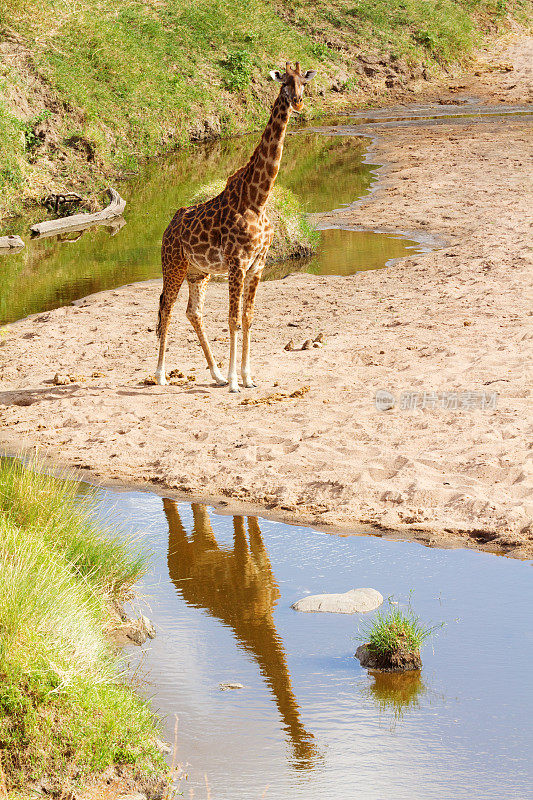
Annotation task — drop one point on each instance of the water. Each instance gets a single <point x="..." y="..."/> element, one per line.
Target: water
<point x="326" y="169"/>
<point x="325" y="172"/>
<point x="310" y="722"/>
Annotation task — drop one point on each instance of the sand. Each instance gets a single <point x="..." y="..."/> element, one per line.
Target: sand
<point x="449" y="467"/>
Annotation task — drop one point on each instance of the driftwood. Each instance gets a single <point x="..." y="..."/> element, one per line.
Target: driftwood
<point x="78" y="222"/>
<point x="10" y="243"/>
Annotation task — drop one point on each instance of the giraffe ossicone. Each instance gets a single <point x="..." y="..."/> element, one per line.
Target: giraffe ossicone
<point x="231" y="234"/>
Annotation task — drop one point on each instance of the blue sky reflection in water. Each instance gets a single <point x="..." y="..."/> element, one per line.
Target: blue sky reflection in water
<point x="309" y="722"/>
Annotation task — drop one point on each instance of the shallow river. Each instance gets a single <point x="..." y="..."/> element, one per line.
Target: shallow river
<point x="324" y="171"/>
<point x="325" y="166"/>
<point x="309" y="722"/>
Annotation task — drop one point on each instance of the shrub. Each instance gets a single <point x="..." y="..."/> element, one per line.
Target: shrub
<point x="238" y="70"/>
<point x="396" y="631"/>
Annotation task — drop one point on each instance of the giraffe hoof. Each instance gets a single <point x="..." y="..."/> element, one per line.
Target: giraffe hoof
<point x="218" y="377"/>
<point x="249" y="384"/>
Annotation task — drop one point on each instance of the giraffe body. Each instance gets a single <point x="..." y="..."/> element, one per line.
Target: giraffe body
<point x="231" y="234"/>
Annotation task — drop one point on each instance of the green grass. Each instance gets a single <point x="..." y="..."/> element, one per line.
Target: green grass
<point x="12" y="150"/>
<point x="63" y="713"/>
<point x="396" y="631"/>
<point x="34" y="501"/>
<point x="442" y="29"/>
<point x="293" y="235"/>
<point x="130" y="77"/>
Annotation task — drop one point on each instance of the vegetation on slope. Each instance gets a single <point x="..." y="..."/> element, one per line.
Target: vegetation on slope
<point x="63" y="714"/>
<point x="91" y="87"/>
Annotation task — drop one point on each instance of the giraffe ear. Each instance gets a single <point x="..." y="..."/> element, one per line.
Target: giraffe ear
<point x="276" y="75"/>
<point x="309" y="75"/>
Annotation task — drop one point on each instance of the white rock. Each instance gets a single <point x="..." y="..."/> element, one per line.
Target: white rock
<point x="10" y="242"/>
<point x="356" y="600"/>
<point x="163" y="747"/>
<point x="226" y="687"/>
<point x="147" y="627"/>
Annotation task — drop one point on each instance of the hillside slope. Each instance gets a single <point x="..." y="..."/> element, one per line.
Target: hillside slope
<point x="88" y="89"/>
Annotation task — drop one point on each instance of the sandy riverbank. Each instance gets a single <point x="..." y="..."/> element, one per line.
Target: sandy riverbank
<point x="448" y="323"/>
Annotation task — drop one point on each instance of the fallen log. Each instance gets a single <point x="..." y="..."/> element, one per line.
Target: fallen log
<point x="11" y="242"/>
<point x="78" y="222"/>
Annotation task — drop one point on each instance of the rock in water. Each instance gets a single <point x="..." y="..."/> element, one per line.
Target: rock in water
<point x="227" y="687"/>
<point x="356" y="600"/>
<point x="147" y="627"/>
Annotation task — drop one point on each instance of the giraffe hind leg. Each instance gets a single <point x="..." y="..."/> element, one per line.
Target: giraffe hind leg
<point x="173" y="276"/>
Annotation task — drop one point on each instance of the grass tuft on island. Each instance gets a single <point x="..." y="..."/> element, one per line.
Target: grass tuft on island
<point x="392" y="641"/>
<point x="64" y="714"/>
<point x="294" y="236"/>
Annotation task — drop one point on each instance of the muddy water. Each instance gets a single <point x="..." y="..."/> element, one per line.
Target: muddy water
<point x="323" y="171"/>
<point x="309" y="722"/>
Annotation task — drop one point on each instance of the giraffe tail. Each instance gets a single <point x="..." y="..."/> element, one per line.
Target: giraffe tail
<point x="159" y="328"/>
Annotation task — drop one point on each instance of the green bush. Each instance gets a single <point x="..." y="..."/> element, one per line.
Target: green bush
<point x="396" y="631"/>
<point x="238" y="68"/>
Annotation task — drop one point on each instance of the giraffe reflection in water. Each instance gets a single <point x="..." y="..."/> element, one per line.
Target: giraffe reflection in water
<point x="237" y="586"/>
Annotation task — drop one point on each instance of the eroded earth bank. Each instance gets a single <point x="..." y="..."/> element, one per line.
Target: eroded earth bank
<point x="455" y="322"/>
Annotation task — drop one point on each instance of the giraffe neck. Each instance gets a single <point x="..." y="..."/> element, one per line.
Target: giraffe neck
<point x="260" y="174"/>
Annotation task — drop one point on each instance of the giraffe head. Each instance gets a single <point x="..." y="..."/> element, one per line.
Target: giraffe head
<point x="293" y="83"/>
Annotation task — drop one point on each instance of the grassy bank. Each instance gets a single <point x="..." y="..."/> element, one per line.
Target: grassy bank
<point x="63" y="713"/>
<point x="88" y="89"/>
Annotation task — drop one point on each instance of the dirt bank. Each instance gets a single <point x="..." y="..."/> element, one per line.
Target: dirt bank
<point x="453" y="324"/>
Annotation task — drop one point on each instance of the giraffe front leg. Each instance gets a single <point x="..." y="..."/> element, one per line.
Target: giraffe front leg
<point x="235" y="285"/>
<point x="253" y="276"/>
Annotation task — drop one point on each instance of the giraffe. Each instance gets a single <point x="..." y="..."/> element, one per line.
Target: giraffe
<point x="229" y="234"/>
